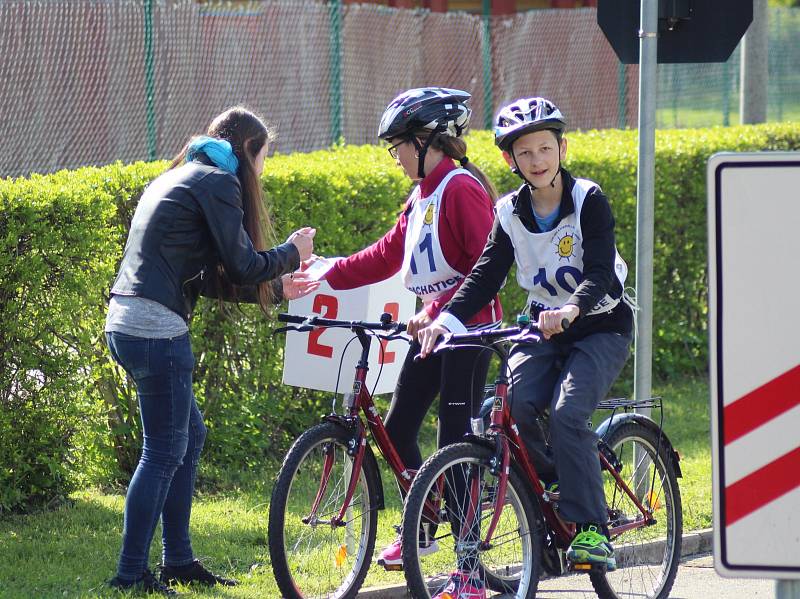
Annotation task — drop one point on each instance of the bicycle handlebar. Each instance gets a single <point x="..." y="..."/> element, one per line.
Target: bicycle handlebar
<point x="386" y="324"/>
<point x="487" y="337"/>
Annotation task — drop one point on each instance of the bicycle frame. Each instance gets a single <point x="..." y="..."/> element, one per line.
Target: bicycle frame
<point x="360" y="401"/>
<point x="508" y="444"/>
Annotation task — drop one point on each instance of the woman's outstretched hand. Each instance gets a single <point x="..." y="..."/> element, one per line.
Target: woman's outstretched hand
<point x="303" y="240"/>
<point x="297" y="284"/>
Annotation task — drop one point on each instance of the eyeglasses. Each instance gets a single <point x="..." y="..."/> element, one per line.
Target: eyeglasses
<point x="393" y="149"/>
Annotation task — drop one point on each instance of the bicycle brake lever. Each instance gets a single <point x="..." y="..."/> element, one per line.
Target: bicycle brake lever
<point x="527" y="335"/>
<point x="301" y="328"/>
<point x="394" y="336"/>
<point x="443" y="344"/>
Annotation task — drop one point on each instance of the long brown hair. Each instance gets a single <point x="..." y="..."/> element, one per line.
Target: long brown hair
<point x="456" y="148"/>
<point x="247" y="133"/>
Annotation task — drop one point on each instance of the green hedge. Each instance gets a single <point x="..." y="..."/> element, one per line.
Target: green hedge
<point x="67" y="414"/>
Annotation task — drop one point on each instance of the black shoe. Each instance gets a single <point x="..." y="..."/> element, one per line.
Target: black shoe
<point x="146" y="584"/>
<point x="194" y="572"/>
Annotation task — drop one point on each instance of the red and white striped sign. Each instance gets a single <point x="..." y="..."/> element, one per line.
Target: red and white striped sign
<point x="754" y="334"/>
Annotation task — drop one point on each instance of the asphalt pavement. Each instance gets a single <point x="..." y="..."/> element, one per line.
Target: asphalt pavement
<point x="696" y="579"/>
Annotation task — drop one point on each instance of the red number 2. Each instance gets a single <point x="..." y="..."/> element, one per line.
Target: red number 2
<point x="387" y="357"/>
<point x="331" y="306"/>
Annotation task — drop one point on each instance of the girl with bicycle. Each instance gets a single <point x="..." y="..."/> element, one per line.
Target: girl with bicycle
<point x="199" y="228"/>
<point x="434" y="244"/>
<point x="560" y="232"/>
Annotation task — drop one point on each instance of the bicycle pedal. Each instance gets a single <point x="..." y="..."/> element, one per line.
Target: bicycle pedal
<point x="587" y="568"/>
<point x="552" y="496"/>
<point x="390" y="567"/>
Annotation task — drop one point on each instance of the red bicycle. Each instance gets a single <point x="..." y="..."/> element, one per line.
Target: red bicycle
<point x="496" y="520"/>
<point x="324" y="508"/>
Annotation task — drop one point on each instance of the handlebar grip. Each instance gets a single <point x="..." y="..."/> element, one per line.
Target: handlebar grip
<point x="565" y="323"/>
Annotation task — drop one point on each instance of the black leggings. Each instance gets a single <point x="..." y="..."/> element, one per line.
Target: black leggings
<point x="458" y="377"/>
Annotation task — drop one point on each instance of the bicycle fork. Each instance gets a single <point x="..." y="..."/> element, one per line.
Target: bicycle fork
<point x="356" y="448"/>
<point x="499" y="465"/>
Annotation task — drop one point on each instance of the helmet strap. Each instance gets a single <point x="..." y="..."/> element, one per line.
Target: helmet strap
<point x="423" y="150"/>
<point x="558" y="172"/>
<point x="518" y="171"/>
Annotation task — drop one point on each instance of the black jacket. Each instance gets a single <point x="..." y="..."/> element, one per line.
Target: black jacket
<point x="597" y="223"/>
<point x="188" y="221"/>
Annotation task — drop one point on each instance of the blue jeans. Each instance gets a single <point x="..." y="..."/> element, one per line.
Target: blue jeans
<point x="163" y="483"/>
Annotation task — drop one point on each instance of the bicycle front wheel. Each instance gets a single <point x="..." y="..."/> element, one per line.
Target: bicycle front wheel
<point x="311" y="556"/>
<point x="647" y="556"/>
<point x="456" y="490"/>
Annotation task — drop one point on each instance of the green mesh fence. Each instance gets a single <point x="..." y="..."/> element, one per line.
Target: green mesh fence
<point x="93" y="81"/>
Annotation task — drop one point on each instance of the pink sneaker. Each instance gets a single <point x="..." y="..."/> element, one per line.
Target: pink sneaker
<point x="391" y="558"/>
<point x="461" y="586"/>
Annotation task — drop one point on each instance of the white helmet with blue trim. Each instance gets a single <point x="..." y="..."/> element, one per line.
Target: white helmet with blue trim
<point x="524" y="116"/>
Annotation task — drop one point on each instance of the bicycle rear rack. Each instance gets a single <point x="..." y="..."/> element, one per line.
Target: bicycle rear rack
<point x="629" y="404"/>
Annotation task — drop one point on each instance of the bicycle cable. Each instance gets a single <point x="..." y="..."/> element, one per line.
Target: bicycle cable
<point x="382" y="356"/>
<point x="339" y="373"/>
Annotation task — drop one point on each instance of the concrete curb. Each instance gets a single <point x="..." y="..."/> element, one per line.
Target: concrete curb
<point x="701" y="541"/>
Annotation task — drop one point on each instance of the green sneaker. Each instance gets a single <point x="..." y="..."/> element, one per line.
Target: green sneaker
<point x="592" y="547"/>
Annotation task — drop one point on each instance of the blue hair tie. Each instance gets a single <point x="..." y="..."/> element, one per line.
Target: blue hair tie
<point x="219" y="151"/>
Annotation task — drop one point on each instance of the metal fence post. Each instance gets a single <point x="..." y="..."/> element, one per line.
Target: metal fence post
<point x="335" y="7"/>
<point x="488" y="96"/>
<point x="149" y="80"/>
<point x="780" y="41"/>
<point x="726" y="92"/>
<point x="622" y="107"/>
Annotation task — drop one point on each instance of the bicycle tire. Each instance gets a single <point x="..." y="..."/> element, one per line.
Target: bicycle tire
<point x="511" y="565"/>
<point x="647" y="557"/>
<point x="315" y="560"/>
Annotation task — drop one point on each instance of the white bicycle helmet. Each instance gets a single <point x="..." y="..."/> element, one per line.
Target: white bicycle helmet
<point x="436" y="109"/>
<point x="523" y="116"/>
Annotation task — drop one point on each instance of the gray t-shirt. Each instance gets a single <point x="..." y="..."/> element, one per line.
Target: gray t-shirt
<point x="141" y="317"/>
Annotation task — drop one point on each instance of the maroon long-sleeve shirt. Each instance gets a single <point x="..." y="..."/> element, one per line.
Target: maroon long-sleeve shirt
<point x="465" y="221"/>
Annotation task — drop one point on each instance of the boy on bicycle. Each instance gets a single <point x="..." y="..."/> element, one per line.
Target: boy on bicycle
<point x="560" y="232"/>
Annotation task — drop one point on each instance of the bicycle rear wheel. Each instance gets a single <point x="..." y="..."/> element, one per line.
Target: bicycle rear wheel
<point x="310" y="556"/>
<point x="457" y="481"/>
<point x="648" y="556"/>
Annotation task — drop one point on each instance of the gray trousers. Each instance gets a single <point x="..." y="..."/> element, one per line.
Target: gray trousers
<point x="569" y="380"/>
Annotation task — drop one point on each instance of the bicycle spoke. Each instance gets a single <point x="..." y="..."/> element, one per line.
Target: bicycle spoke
<point x="317" y="558"/>
<point x="647" y="555"/>
<point x="468" y="489"/>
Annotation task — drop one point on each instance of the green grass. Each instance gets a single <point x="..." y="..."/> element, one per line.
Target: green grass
<point x="711" y="116"/>
<point x="72" y="550"/>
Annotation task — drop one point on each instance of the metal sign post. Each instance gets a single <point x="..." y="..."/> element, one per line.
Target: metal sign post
<point x="678" y="31"/>
<point x="648" y="42"/>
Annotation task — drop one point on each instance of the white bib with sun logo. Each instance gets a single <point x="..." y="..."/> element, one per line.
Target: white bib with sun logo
<point x="425" y="270"/>
<point x="550" y="265"/>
